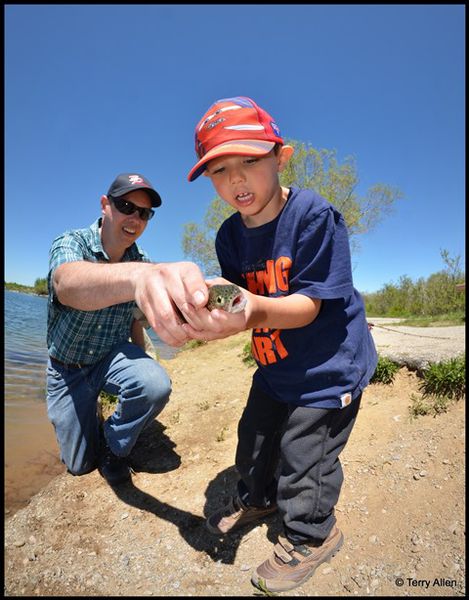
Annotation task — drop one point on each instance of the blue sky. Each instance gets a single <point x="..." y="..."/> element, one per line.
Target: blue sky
<point x="95" y="90"/>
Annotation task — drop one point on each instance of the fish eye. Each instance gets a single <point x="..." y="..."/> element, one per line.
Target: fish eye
<point x="219" y="299"/>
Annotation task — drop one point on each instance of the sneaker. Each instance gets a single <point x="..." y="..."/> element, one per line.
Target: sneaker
<point x="114" y="469"/>
<point x="290" y="566"/>
<point x="235" y="515"/>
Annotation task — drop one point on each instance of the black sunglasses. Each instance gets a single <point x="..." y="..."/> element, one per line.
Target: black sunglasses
<point x="126" y="207"/>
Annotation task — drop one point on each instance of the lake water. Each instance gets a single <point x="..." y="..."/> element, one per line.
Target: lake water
<point x="31" y="451"/>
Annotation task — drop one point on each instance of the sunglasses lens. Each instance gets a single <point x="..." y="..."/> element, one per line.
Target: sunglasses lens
<point x="127" y="208"/>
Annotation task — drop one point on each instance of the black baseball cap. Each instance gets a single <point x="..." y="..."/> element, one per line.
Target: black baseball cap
<point x="129" y="182"/>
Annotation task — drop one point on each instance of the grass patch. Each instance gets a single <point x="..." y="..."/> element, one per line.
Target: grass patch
<point x="442" y="383"/>
<point x="421" y="406"/>
<point x="445" y="379"/>
<point x="446" y="320"/>
<point x="385" y="372"/>
<point x="247" y="356"/>
<point x="191" y="344"/>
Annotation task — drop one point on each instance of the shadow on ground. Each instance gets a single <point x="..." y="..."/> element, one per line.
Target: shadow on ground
<point x="155" y="453"/>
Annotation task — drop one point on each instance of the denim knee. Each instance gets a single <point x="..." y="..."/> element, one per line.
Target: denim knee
<point x="156" y="384"/>
<point x="79" y="456"/>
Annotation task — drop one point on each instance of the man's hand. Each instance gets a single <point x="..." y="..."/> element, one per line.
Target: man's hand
<point x="167" y="288"/>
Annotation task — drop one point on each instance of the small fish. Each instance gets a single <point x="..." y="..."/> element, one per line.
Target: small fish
<point x="227" y="297"/>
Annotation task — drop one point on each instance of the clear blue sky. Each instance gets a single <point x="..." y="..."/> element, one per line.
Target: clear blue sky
<point x="95" y="90"/>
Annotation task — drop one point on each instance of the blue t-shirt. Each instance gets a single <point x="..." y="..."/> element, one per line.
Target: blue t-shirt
<point x="304" y="250"/>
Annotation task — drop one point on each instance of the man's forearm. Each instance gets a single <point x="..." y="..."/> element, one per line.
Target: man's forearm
<point x="157" y="288"/>
<point x="92" y="286"/>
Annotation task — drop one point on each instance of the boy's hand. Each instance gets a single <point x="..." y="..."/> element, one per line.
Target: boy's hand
<point x="287" y="312"/>
<point x="218" y="324"/>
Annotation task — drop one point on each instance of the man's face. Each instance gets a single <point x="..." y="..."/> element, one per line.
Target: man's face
<point x="125" y="229"/>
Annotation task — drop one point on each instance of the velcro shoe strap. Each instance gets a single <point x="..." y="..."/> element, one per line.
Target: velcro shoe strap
<point x="282" y="550"/>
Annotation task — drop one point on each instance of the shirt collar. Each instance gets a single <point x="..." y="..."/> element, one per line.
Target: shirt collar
<point x="133" y="252"/>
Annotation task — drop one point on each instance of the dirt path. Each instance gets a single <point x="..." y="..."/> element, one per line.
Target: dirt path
<point x="416" y="347"/>
<point x="401" y="507"/>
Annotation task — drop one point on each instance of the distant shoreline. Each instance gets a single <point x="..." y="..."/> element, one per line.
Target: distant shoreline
<point x="23" y="290"/>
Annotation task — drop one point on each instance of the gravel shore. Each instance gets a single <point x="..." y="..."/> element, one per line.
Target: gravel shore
<point x="402" y="507"/>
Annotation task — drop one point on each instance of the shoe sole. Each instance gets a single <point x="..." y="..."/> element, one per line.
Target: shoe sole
<point x="214" y="528"/>
<point x="261" y="585"/>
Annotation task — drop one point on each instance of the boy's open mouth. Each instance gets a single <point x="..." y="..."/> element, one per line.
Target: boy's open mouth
<point x="245" y="198"/>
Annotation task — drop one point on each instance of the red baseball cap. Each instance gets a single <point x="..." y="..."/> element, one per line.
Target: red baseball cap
<point x="233" y="126"/>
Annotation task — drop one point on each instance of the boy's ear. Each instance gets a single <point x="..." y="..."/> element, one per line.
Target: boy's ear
<point x="284" y="155"/>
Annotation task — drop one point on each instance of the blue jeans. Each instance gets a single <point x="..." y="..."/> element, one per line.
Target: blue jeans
<point x="141" y="385"/>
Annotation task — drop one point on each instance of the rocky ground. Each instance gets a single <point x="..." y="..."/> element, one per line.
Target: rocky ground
<point x="401" y="508"/>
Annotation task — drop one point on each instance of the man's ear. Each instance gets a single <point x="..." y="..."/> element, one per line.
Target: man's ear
<point x="104" y="202"/>
<point x="284" y="155"/>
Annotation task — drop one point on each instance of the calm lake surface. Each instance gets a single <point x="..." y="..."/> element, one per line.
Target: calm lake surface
<point x="31" y="452"/>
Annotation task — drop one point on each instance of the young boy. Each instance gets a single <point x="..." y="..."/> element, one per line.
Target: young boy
<point x="289" y="249"/>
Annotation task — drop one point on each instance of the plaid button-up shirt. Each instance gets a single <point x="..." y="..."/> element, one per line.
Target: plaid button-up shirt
<point x="85" y="336"/>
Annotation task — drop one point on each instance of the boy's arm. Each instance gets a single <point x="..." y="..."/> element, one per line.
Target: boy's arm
<point x="296" y="310"/>
<point x="288" y="312"/>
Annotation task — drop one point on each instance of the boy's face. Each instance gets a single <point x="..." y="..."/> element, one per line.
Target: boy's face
<point x="250" y="183"/>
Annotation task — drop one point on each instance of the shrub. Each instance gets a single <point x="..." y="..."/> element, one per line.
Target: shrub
<point x="436" y="295"/>
<point x="248" y="358"/>
<point x="386" y="370"/>
<point x="445" y="379"/>
<point x="108" y="400"/>
<point x="40" y="286"/>
<point x="107" y="405"/>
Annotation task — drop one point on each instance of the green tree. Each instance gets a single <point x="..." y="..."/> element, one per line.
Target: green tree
<point x="198" y="243"/>
<point x="435" y="295"/>
<point x="453" y="266"/>
<point x="40" y="286"/>
<point x="308" y="168"/>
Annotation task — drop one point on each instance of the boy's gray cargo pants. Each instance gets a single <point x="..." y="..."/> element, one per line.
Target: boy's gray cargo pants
<point x="290" y="455"/>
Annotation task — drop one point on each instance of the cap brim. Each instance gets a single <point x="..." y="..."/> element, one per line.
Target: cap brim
<point x="240" y="147"/>
<point x="155" y="198"/>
